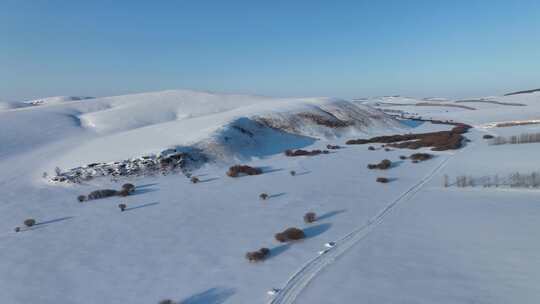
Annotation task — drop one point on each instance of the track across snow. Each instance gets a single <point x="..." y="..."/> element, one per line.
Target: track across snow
<point x="296" y="284"/>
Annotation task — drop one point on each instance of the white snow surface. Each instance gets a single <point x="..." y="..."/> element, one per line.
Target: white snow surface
<point x="408" y="241"/>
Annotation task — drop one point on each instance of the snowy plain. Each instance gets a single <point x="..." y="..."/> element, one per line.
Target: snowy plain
<point x="187" y="241"/>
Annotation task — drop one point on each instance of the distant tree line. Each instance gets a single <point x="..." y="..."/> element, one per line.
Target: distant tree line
<point x="514" y="180"/>
<point x="523" y="138"/>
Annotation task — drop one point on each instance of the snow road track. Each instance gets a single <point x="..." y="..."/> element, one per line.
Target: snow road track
<point x="296" y="284"/>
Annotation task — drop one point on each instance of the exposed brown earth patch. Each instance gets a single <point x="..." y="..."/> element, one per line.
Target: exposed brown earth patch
<point x="438" y="141"/>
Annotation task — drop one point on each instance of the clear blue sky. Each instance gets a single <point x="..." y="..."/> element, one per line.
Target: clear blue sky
<point x="280" y="48"/>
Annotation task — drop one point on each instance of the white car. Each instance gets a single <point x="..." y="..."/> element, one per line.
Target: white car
<point x="273" y="291"/>
<point x="323" y="251"/>
<point x="330" y="244"/>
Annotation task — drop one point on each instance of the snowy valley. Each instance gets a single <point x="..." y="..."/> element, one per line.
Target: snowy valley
<point x="428" y="228"/>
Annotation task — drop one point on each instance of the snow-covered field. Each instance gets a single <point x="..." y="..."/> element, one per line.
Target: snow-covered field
<point x="409" y="241"/>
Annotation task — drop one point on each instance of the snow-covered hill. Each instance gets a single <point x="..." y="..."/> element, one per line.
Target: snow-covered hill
<point x="4" y="106"/>
<point x="223" y="127"/>
<point x="409" y="240"/>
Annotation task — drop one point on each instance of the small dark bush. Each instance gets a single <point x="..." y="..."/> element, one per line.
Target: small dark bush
<point x="371" y="148"/>
<point x="29" y="222"/>
<point x="280" y="237"/>
<point x="167" y="301"/>
<point x="402" y="157"/>
<point x="81" y="198"/>
<point x="263" y="196"/>
<point x="383" y="180"/>
<point x="264" y="251"/>
<point x="290" y="234"/>
<point x="300" y="152"/>
<point x="129" y="187"/>
<point x="310" y="217"/>
<point x="332" y="147"/>
<point x="387" y="149"/>
<point x="384" y="164"/>
<point x="17" y="229"/>
<point x="195" y="180"/>
<point x="421" y="156"/>
<point x="487" y="136"/>
<point x="414" y="161"/>
<point x="123" y="192"/>
<point x="259" y="255"/>
<point x="122" y="207"/>
<point x="237" y="170"/>
<point x="292" y="172"/>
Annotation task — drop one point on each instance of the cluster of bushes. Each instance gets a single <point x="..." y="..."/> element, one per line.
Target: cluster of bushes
<point x="332" y="147"/>
<point x="421" y="156"/>
<point x="126" y="190"/>
<point x="438" y="141"/>
<point x="488" y="136"/>
<point x="300" y="152"/>
<point x="383" y="165"/>
<point x="238" y="170"/>
<point x="290" y="234"/>
<point x="524" y="138"/>
<point x="259" y="255"/>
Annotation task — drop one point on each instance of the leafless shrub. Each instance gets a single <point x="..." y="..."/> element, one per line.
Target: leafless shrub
<point x="310" y="217"/>
<point x="383" y="165"/>
<point x="81" y="198"/>
<point x="290" y="234"/>
<point x="371" y="148"/>
<point x="292" y="173"/>
<point x="332" y="147"/>
<point x="29" y="222"/>
<point x="238" y="170"/>
<point x="259" y="255"/>
<point x="129" y="187"/>
<point x="421" y="156"/>
<point x="102" y="194"/>
<point x="122" y="207"/>
<point x="123" y="192"/>
<point x="383" y="180"/>
<point x="263" y="196"/>
<point x="402" y="157"/>
<point x="17" y="229"/>
<point x="300" y="152"/>
<point x="194" y="179"/>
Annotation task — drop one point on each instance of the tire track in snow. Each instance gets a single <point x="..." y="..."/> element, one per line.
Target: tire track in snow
<point x="296" y="284"/>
